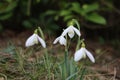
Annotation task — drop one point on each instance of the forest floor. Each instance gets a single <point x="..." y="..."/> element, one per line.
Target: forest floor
<point x="107" y="66"/>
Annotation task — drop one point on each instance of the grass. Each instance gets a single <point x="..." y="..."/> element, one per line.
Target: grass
<point x="34" y="63"/>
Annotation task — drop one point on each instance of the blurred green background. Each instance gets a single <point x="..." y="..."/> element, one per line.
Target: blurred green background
<point x="96" y="17"/>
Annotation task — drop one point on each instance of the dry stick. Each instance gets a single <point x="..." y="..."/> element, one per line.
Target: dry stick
<point x="3" y="75"/>
<point x="108" y="72"/>
<point x="100" y="76"/>
<point x="114" y="74"/>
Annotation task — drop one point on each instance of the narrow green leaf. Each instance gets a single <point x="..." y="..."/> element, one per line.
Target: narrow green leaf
<point x="5" y="16"/>
<point x="96" y="18"/>
<point x="76" y="8"/>
<point x="64" y="12"/>
<point x="68" y="17"/>
<point x="50" y="12"/>
<point x="27" y="24"/>
<point x="91" y="7"/>
<point x="38" y="1"/>
<point x="7" y="8"/>
<point x="72" y="76"/>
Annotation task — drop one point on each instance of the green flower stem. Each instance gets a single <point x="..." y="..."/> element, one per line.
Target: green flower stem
<point x="35" y="31"/>
<point x="47" y="63"/>
<point x="28" y="7"/>
<point x="79" y="42"/>
<point x="66" y="62"/>
<point x="77" y="23"/>
<point x="41" y="32"/>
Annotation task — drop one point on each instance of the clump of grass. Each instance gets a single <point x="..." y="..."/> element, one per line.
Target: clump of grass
<point x="25" y="65"/>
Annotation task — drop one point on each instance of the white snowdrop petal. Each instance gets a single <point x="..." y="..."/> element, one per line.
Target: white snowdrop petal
<point x="56" y="40"/>
<point x="71" y="32"/>
<point x="77" y="31"/>
<point x="90" y="56"/>
<point x="41" y="41"/>
<point x="62" y="40"/>
<point x="71" y="35"/>
<point x="78" y="54"/>
<point x="65" y="31"/>
<point x="30" y="40"/>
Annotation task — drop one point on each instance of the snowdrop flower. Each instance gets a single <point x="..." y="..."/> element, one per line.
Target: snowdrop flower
<point x="61" y="40"/>
<point x="81" y="53"/>
<point x="35" y="39"/>
<point x="71" y="30"/>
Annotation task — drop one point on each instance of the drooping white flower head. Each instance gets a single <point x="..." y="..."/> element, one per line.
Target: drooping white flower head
<point x="61" y="40"/>
<point x="35" y="39"/>
<point x="81" y="53"/>
<point x="71" y="30"/>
